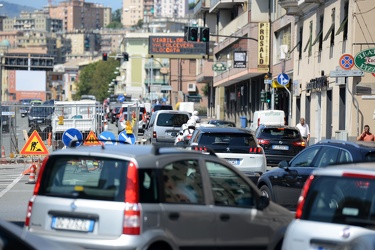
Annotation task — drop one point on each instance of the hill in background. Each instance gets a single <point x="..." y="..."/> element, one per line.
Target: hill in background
<point x="13" y="10"/>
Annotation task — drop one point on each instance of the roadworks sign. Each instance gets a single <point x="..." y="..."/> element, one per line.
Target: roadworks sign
<point x="34" y="145"/>
<point x="92" y="140"/>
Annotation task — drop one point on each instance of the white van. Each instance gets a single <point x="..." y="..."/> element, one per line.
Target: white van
<point x="267" y="117"/>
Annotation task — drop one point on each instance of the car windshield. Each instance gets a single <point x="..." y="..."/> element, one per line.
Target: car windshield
<point x="42" y="110"/>
<point x="171" y="120"/>
<point x="342" y="200"/>
<point x="280" y="133"/>
<point x="234" y="139"/>
<point x="74" y="177"/>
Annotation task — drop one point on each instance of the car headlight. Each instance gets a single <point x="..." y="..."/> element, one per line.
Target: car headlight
<point x="31" y="117"/>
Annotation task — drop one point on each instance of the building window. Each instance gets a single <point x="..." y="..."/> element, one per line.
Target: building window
<point x="300" y="42"/>
<point x="283" y="37"/>
<point x="331" y="30"/>
<point x="319" y="37"/>
<point x="344" y="24"/>
<point x="309" y="42"/>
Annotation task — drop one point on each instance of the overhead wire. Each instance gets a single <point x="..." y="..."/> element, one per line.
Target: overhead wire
<point x="360" y="26"/>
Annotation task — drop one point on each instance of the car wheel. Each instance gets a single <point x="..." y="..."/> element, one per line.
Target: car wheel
<point x="266" y="192"/>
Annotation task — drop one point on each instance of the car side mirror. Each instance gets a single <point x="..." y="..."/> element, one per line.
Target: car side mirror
<point x="283" y="164"/>
<point x="181" y="144"/>
<point x="263" y="202"/>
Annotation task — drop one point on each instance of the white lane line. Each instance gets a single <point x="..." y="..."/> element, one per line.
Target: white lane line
<point x="11" y="185"/>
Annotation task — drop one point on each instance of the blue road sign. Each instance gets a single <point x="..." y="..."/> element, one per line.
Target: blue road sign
<point x="283" y="79"/>
<point x="121" y="98"/>
<point x="108" y="137"/>
<point x="72" y="134"/>
<point x="124" y="137"/>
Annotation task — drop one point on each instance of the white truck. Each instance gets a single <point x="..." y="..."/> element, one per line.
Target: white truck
<point x="81" y="115"/>
<point x="267" y="117"/>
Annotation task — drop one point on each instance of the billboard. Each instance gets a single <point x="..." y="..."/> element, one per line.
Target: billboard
<point x="27" y="84"/>
<point x="176" y="47"/>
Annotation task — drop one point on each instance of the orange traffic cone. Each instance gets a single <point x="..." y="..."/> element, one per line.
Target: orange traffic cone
<point x="32" y="175"/>
<point x="3" y="158"/>
<point x="49" y="141"/>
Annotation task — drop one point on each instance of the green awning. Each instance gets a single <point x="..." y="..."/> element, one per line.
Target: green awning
<point x="317" y="38"/>
<point x="342" y="26"/>
<point x="329" y="31"/>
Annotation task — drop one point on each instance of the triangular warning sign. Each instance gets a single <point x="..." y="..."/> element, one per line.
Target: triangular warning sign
<point x="34" y="146"/>
<point x="92" y="140"/>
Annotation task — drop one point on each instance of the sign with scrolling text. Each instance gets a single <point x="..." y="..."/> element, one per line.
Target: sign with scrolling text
<point x="175" y="47"/>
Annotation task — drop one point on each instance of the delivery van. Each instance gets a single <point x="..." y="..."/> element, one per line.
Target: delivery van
<point x="267" y="117"/>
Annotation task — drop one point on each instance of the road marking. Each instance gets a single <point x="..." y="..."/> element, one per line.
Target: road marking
<point x="11" y="185"/>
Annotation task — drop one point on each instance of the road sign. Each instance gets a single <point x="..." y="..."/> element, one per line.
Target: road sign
<point x="34" y="145"/>
<point x="92" y="140"/>
<point x="124" y="137"/>
<point x="267" y="81"/>
<point x="346" y="61"/>
<point x="72" y="134"/>
<point x="108" y="137"/>
<point x="346" y="73"/>
<point x="283" y="79"/>
<point x="121" y="98"/>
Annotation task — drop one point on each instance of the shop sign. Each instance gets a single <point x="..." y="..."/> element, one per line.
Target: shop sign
<point x="239" y="59"/>
<point x="365" y="60"/>
<point x="219" y="67"/>
<point x="317" y="83"/>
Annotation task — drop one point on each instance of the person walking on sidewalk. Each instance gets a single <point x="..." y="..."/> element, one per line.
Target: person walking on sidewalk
<point x="366" y="134"/>
<point x="304" y="130"/>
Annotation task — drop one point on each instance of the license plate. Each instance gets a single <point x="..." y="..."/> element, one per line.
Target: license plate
<point x="171" y="133"/>
<point x="39" y="121"/>
<point x="234" y="162"/>
<point x="73" y="224"/>
<point x="280" y="147"/>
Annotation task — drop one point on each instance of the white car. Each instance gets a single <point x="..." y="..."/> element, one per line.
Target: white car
<point x="336" y="207"/>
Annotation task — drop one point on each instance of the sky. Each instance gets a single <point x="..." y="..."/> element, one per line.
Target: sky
<point x="38" y="4"/>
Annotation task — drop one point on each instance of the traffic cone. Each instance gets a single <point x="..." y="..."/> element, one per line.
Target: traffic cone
<point x="32" y="175"/>
<point x="3" y="158"/>
<point x="49" y="141"/>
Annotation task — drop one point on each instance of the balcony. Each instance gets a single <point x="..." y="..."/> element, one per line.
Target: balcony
<point x="201" y="6"/>
<point x="298" y="7"/>
<point x="216" y="5"/>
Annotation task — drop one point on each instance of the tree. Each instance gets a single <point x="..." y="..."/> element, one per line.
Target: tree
<point x="138" y="25"/>
<point x="116" y="16"/>
<point x="115" y="25"/>
<point x="94" y="79"/>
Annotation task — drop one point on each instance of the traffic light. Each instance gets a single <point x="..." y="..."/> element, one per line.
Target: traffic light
<point x="204" y="34"/>
<point x="193" y="34"/>
<point x="276" y="96"/>
<point x="268" y="97"/>
<point x="126" y="56"/>
<point x="262" y="96"/>
<point x="105" y="56"/>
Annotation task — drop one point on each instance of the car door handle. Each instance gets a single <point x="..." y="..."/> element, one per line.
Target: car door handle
<point x="224" y="217"/>
<point x="174" y="216"/>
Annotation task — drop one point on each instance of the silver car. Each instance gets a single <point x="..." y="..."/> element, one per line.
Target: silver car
<point x="150" y="197"/>
<point x="336" y="208"/>
<point x="164" y="126"/>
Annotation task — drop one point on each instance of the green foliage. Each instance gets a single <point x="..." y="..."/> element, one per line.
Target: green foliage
<point x="114" y="25"/>
<point x="94" y="79"/>
<point x="116" y="16"/>
<point x="191" y="6"/>
<point x="138" y="25"/>
<point x="205" y="89"/>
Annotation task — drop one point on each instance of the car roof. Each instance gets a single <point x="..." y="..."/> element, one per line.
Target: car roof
<point x="223" y="130"/>
<point x="276" y="126"/>
<point x="141" y="153"/>
<point x="352" y="167"/>
<point x="347" y="144"/>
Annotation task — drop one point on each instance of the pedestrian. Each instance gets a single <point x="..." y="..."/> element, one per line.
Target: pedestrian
<point x="304" y="129"/>
<point x="366" y="134"/>
<point x="195" y="117"/>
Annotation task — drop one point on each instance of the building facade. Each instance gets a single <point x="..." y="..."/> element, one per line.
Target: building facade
<point x="33" y="22"/>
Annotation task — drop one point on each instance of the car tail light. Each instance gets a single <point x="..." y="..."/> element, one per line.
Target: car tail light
<point x="257" y="150"/>
<point x="263" y="141"/>
<point x="299" y="143"/>
<point x="154" y="134"/>
<point x="301" y="199"/>
<point x="28" y="211"/>
<point x="362" y="176"/>
<point x="199" y="148"/>
<point x="132" y="212"/>
<point x="258" y="122"/>
<point x="188" y="137"/>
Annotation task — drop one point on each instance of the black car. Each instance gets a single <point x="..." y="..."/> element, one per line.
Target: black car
<point x="279" y="142"/>
<point x="158" y="107"/>
<point x="6" y="118"/>
<point x="284" y="184"/>
<point x="221" y="123"/>
<point x="40" y="115"/>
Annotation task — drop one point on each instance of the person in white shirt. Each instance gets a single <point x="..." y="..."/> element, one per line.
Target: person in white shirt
<point x="195" y="116"/>
<point x="304" y="129"/>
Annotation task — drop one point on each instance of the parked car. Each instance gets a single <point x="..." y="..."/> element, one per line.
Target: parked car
<point x="279" y="142"/>
<point x="164" y="126"/>
<point x="14" y="237"/>
<point x="284" y="183"/>
<point x="157" y="107"/>
<point x="338" y="204"/>
<point x="6" y="118"/>
<point x="221" y="123"/>
<point x="150" y="197"/>
<point x="25" y="105"/>
<point x="40" y="115"/>
<point x="237" y="146"/>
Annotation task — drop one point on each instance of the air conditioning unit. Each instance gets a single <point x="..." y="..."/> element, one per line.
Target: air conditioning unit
<point x="283" y="51"/>
<point x="192" y="87"/>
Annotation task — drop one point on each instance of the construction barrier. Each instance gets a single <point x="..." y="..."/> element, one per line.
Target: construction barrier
<point x="32" y="175"/>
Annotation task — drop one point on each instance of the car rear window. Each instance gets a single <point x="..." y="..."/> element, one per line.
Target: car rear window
<point x="341" y="200"/>
<point x="234" y="139"/>
<point x="171" y="120"/>
<point x="90" y="178"/>
<point x="280" y="133"/>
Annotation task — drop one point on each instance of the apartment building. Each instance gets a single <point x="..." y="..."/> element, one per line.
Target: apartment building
<point x="110" y="40"/>
<point x="306" y="41"/>
<point x="79" y="15"/>
<point x="83" y="45"/>
<point x="32" y="22"/>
